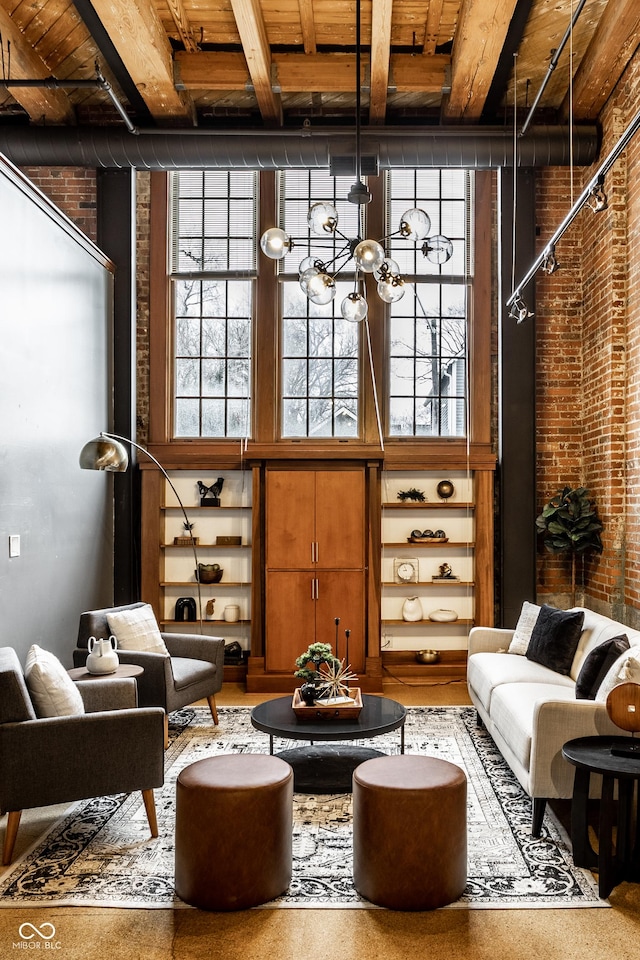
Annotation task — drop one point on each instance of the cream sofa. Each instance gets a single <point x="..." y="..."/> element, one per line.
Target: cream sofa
<point x="531" y="711"/>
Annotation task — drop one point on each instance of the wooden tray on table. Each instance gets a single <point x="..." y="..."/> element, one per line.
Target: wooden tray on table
<point x="319" y="711"/>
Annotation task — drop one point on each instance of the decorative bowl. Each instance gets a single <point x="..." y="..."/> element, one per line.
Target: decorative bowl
<point x="443" y="616"/>
<point x="209" y="573"/>
<point x="445" y="489"/>
<point x="427" y="656"/>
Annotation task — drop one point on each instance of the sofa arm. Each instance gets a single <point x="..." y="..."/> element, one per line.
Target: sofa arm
<point x="108" y="694"/>
<point x="196" y="647"/>
<point x="489" y="639"/>
<point x="555" y="722"/>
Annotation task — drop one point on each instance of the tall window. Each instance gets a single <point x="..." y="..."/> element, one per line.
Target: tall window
<point x="320" y="356"/>
<point x="213" y="270"/>
<point x="427" y="376"/>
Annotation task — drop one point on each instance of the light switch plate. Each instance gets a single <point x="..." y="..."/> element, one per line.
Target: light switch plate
<point x="14" y="545"/>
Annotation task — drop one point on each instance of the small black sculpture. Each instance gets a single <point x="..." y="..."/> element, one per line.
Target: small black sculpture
<point x="210" y="496"/>
<point x="186" y="609"/>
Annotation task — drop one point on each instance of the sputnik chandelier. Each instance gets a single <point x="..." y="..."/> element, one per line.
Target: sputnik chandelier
<point x="318" y="276"/>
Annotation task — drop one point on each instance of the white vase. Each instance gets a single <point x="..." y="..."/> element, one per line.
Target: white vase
<point x="102" y="656"/>
<point x="231" y="612"/>
<point x="412" y="609"/>
<point x="443" y="616"/>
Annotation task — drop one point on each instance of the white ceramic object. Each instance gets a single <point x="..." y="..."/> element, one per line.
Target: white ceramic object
<point x="443" y="616"/>
<point x="412" y="609"/>
<point x="102" y="655"/>
<point x="231" y="613"/>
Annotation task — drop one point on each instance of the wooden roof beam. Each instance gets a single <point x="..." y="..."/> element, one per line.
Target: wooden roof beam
<point x="255" y="44"/>
<point x="137" y="33"/>
<point x="381" y="11"/>
<point x="477" y="44"/>
<point x="613" y="44"/>
<point x="308" y="25"/>
<point x="181" y="20"/>
<point x="40" y="103"/>
<point x="434" y="15"/>
<point x="307" y="73"/>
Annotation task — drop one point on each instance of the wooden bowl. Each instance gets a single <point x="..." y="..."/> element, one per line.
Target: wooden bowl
<point x="427" y="656"/>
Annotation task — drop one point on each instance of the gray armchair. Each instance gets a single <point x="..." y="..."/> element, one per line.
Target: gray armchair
<point x="112" y="748"/>
<point x="193" y="671"/>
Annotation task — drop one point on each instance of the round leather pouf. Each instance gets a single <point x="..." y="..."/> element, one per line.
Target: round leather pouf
<point x="234" y="831"/>
<point x="409" y="832"/>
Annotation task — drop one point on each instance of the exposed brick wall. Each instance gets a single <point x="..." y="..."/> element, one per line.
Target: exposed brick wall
<point x="588" y="355"/>
<point x="143" y="193"/>
<point x="73" y="190"/>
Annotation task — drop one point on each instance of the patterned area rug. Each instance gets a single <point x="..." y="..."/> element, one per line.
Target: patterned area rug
<point x="101" y="854"/>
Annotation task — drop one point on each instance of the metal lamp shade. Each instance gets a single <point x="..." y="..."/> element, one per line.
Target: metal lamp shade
<point x="103" y="453"/>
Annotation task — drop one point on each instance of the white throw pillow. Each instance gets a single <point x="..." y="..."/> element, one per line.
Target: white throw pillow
<point x="524" y="628"/>
<point x="137" y="630"/>
<point x="53" y="692"/>
<point x="626" y="668"/>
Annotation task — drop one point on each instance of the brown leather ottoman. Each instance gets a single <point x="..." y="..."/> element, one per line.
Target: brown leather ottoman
<point x="409" y="832"/>
<point x="233" y="831"/>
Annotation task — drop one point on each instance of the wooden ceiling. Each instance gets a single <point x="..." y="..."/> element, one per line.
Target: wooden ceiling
<point x="269" y="63"/>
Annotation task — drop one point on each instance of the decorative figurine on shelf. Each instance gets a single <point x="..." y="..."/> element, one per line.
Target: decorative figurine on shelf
<point x="186" y="609"/>
<point x="445" y="573"/>
<point x="411" y="494"/>
<point x="210" y="496"/>
<point x="445" y="489"/>
<point x="209" y="607"/>
<point x="187" y="539"/>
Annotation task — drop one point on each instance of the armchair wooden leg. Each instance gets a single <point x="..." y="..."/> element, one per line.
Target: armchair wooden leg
<point x="11" y="832"/>
<point x="150" y="807"/>
<point x="214" y="710"/>
<point x="166" y="730"/>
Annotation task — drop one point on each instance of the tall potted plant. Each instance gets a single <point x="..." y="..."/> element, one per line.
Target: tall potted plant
<point x="569" y="523"/>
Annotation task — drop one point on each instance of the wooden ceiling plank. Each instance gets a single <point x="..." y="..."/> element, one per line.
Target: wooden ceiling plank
<point x="431" y="30"/>
<point x="479" y="38"/>
<point x="253" y="35"/>
<point x="308" y="26"/>
<point x="419" y="74"/>
<point x="381" y="14"/>
<point x="209" y="70"/>
<point x="40" y="103"/>
<point x="181" y="20"/>
<point x="612" y="46"/>
<point x="142" y="44"/>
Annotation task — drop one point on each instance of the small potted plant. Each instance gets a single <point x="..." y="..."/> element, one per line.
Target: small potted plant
<point x="569" y="523"/>
<point x="308" y="664"/>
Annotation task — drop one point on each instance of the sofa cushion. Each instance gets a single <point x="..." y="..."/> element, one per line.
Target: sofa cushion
<point x="625" y="668"/>
<point x="555" y="638"/>
<point x="513" y="710"/>
<point x="595" y="630"/>
<point x="596" y="666"/>
<point x="524" y="628"/>
<point x="137" y="629"/>
<point x="53" y="692"/>
<point x="187" y="672"/>
<point x="486" y="671"/>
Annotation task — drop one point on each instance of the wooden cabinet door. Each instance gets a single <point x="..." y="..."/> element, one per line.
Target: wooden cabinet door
<point x="290" y="519"/>
<point x="290" y="621"/>
<point x="340" y="516"/>
<point x="340" y="593"/>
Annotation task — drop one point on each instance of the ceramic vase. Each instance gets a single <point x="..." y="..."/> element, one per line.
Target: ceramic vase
<point x="412" y="609"/>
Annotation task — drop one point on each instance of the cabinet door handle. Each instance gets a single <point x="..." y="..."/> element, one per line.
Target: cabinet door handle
<point x="317" y="552"/>
<point x="317" y="589"/>
<point x="313" y="588"/>
<point x="314" y="551"/>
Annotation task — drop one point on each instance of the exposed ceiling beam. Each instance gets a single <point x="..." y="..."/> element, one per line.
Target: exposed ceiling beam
<point x="181" y="20"/>
<point x="53" y="106"/>
<point x="255" y="43"/>
<point x="479" y="38"/>
<point x="612" y="46"/>
<point x="302" y="73"/>
<point x="434" y="15"/>
<point x="142" y="44"/>
<point x="496" y="96"/>
<point x="308" y="26"/>
<point x="381" y="11"/>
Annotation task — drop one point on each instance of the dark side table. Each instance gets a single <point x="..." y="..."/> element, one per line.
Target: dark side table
<point x="617" y="760"/>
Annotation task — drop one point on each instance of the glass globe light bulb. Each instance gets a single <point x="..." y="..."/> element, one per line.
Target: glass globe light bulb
<point x="306" y="277"/>
<point x="306" y="264"/>
<point x="275" y="243"/>
<point x="354" y="307"/>
<point x="321" y="289"/>
<point x="323" y="218"/>
<point x="368" y="255"/>
<point x="387" y="267"/>
<point x="415" y="223"/>
<point x="391" y="290"/>
<point x="439" y="249"/>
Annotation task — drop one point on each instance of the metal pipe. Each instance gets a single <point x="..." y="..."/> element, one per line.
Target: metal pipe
<point x="173" y="149"/>
<point x="552" y="65"/>
<point x="595" y="181"/>
<point x="52" y="83"/>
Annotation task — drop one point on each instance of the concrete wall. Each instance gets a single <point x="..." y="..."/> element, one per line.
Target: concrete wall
<point x="55" y="308"/>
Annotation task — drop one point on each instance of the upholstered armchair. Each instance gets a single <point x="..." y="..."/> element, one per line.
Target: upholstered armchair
<point x="113" y="747"/>
<point x="192" y="671"/>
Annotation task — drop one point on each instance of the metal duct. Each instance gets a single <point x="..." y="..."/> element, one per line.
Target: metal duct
<point x="396" y="147"/>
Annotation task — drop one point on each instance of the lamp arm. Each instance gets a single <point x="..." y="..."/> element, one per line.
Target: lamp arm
<point x="115" y="436"/>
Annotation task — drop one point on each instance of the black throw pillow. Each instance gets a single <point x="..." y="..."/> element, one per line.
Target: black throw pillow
<point x="596" y="664"/>
<point x="555" y="638"/>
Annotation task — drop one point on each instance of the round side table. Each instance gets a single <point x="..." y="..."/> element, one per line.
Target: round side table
<point x="122" y="671"/>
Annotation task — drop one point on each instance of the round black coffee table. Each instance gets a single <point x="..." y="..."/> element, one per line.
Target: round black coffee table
<point x="328" y="768"/>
